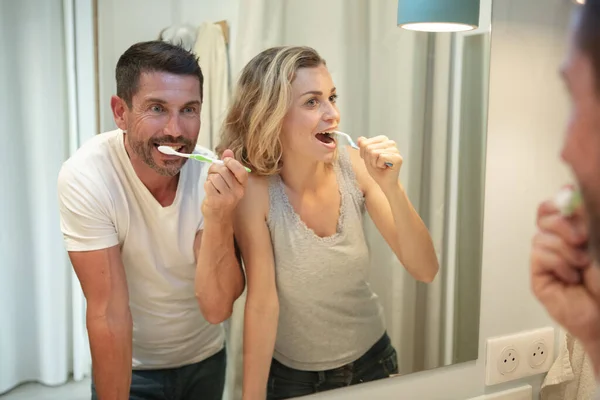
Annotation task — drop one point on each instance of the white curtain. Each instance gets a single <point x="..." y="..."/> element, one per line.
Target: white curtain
<point x="211" y="49"/>
<point x="43" y="330"/>
<point x="381" y="75"/>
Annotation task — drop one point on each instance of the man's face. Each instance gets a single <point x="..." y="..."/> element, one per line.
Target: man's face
<point x="581" y="149"/>
<point x="165" y="110"/>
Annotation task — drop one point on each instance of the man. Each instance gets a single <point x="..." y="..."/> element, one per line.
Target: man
<point x="565" y="262"/>
<point x="150" y="236"/>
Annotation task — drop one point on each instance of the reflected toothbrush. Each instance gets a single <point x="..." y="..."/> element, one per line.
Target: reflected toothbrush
<point x="354" y="145"/>
<point x="568" y="200"/>
<point x="198" y="157"/>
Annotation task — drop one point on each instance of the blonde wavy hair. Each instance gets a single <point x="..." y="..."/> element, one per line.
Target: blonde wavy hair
<point x="260" y="102"/>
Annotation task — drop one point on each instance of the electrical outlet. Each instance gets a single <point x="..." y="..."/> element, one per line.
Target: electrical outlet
<point x="538" y="354"/>
<point x="519" y="355"/>
<point x="508" y="360"/>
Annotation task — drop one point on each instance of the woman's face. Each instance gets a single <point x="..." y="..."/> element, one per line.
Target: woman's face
<point x="312" y="114"/>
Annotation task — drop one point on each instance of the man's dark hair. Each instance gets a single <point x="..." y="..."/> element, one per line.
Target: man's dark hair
<point x="153" y="56"/>
<point x="588" y="35"/>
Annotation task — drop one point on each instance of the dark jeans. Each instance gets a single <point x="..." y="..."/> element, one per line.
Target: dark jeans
<point x="201" y="381"/>
<point x="377" y="363"/>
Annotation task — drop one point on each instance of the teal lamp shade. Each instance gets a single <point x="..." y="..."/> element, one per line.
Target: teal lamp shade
<point x="438" y="15"/>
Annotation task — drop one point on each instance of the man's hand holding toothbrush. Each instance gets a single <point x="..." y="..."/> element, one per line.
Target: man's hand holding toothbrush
<point x="224" y="188"/>
<point x="563" y="275"/>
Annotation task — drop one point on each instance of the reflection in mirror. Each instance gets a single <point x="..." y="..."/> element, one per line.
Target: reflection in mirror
<point x="427" y="92"/>
<point x="443" y="107"/>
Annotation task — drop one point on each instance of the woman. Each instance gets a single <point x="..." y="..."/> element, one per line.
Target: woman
<point x="299" y="229"/>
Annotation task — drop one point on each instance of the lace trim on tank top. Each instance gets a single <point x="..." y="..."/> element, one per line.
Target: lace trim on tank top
<point x="347" y="186"/>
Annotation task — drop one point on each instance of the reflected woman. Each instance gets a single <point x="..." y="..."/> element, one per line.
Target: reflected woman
<point x="312" y="322"/>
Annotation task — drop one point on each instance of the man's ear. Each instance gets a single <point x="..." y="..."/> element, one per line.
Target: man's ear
<point x="119" y="109"/>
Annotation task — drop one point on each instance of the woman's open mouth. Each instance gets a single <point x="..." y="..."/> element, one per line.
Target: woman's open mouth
<point x="327" y="139"/>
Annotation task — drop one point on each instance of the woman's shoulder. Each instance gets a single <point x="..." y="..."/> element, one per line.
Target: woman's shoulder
<point x="258" y="184"/>
<point x="256" y="194"/>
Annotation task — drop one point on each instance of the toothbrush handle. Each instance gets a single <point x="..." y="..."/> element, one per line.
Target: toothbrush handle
<point x="220" y="162"/>
<point x="211" y="160"/>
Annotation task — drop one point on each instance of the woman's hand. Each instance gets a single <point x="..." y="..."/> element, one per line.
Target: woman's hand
<point x="376" y="153"/>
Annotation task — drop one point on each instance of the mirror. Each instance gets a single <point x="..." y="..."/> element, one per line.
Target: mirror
<point x="428" y="92"/>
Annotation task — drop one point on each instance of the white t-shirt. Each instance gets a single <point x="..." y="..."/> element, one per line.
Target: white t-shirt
<point x="103" y="203"/>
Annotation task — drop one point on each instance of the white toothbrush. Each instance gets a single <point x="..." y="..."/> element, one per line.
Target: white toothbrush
<point x="348" y="139"/>
<point x="354" y="145"/>
<point x="172" y="152"/>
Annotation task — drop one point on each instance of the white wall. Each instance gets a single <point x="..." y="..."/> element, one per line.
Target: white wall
<point x="527" y="112"/>
<point x="125" y="22"/>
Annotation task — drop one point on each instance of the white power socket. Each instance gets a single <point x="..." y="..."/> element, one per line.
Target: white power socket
<point x="538" y="354"/>
<point x="518" y="356"/>
<point x="508" y="360"/>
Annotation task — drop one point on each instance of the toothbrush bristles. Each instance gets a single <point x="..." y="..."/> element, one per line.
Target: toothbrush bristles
<point x="354" y="145"/>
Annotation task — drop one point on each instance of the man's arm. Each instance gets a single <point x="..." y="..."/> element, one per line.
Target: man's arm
<point x="219" y="276"/>
<point x="108" y="318"/>
<point x="93" y="245"/>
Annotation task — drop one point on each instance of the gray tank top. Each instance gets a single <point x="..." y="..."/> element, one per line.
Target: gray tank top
<point x="329" y="316"/>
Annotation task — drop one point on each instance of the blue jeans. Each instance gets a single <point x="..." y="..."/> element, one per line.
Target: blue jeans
<point x="379" y="362"/>
<point x="204" y="380"/>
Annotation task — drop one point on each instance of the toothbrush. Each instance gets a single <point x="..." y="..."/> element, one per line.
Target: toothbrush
<point x="354" y="145"/>
<point x="567" y="201"/>
<point x="168" y="150"/>
<point x="348" y="138"/>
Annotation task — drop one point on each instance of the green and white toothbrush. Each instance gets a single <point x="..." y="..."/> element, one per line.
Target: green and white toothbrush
<point x="568" y="200"/>
<point x="198" y="157"/>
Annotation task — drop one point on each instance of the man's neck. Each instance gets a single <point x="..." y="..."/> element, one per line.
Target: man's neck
<point x="162" y="188"/>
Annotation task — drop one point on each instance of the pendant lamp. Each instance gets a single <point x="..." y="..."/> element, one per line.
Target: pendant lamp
<point x="438" y="15"/>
